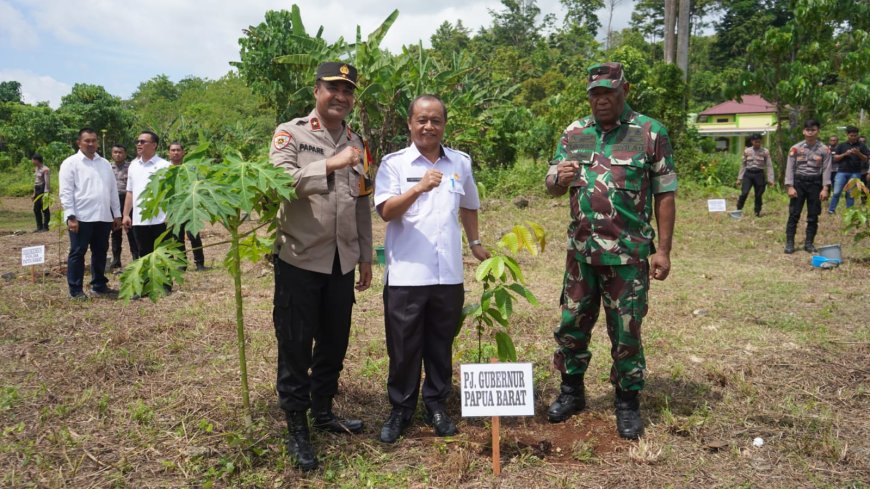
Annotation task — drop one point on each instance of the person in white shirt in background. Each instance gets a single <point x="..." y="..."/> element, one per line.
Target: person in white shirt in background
<point x="146" y="231"/>
<point x="91" y="207"/>
<point x="424" y="192"/>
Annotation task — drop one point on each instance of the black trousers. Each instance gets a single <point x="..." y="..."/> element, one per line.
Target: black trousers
<point x="93" y="235"/>
<point x="312" y="323"/>
<point x="421" y="322"/>
<point x="808" y="191"/>
<point x="42" y="215"/>
<point x="117" y="238"/>
<point x="146" y="236"/>
<point x="752" y="179"/>
<point x="195" y="243"/>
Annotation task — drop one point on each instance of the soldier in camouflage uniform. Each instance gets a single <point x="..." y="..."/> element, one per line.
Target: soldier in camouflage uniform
<point x="617" y="167"/>
<point x="756" y="163"/>
<point x="807" y="179"/>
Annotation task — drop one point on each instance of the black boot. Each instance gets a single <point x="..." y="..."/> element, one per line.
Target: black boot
<point x="809" y="248"/>
<point x="572" y="399"/>
<point x="789" y="245"/>
<point x="628" y="422"/>
<point x="299" y="441"/>
<point x="325" y="420"/>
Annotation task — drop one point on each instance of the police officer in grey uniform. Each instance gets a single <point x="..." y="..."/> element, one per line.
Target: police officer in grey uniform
<point x="322" y="236"/>
<point x="807" y="179"/>
<point x="755" y="165"/>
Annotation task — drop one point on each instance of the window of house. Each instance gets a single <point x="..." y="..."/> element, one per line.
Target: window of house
<point x="722" y="119"/>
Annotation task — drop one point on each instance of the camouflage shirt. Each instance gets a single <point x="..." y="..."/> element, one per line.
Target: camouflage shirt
<point x="612" y="192"/>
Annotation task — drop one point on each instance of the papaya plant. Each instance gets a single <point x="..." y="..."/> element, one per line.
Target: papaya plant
<point x="503" y="283"/>
<point x="229" y="192"/>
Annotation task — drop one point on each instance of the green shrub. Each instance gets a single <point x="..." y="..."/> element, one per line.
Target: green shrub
<point x="523" y="178"/>
<point x="18" y="181"/>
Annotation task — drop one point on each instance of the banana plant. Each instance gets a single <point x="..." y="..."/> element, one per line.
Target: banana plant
<point x="203" y="191"/>
<point x="503" y="283"/>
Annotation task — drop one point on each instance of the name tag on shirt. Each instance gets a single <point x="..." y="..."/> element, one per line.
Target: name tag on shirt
<point x="414" y="179"/>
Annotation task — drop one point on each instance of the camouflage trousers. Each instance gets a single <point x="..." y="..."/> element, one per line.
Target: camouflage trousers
<point x="623" y="290"/>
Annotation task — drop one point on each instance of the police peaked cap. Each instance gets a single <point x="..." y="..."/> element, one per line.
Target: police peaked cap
<point x="335" y="71"/>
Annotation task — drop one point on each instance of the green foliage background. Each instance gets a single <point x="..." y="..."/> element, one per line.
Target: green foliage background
<point x="510" y="87"/>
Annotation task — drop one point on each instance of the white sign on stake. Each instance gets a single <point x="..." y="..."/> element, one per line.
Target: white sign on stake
<point x="497" y="389"/>
<point x="32" y="255"/>
<point x="716" y="205"/>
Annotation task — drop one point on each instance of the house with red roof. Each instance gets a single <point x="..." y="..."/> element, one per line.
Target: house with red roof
<point x="731" y="123"/>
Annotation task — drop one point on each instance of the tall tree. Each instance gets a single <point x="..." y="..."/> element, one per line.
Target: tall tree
<point x="92" y="106"/>
<point x="582" y="13"/>
<point x="10" y="91"/>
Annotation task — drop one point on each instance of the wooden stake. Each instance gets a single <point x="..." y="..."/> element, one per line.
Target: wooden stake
<point x="496" y="439"/>
<point x="33" y="274"/>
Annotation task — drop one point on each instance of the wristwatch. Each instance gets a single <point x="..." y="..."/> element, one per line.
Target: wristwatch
<point x="70" y="217"/>
<point x="474" y="242"/>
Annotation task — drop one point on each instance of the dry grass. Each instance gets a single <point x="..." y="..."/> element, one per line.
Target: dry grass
<point x="742" y="342"/>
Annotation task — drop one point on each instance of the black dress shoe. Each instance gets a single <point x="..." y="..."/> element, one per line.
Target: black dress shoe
<point x="327" y="421"/>
<point x="628" y="422"/>
<point x="105" y="291"/>
<point x="394" y="426"/>
<point x="439" y="420"/>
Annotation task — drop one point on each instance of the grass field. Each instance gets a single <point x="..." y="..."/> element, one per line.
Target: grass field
<point x="742" y="341"/>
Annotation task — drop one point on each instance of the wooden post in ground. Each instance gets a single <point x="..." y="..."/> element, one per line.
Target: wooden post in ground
<point x="496" y="439"/>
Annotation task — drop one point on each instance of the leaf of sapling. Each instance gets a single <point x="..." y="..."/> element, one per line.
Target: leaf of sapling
<point x="498" y="267"/>
<point x="524" y="292"/>
<point x="509" y="241"/>
<point x="505" y="345"/>
<point x="540" y="234"/>
<point x="514" y="268"/>
<point x="483" y="269"/>
<point x="526" y="239"/>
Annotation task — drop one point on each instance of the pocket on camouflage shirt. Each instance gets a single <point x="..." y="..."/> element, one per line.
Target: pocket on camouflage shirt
<point x="627" y="174"/>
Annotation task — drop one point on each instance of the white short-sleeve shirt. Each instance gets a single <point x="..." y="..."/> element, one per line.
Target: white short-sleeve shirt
<point x="424" y="245"/>
<point x="138" y="176"/>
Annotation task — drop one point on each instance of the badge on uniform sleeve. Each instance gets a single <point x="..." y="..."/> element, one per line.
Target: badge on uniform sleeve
<point x="281" y="140"/>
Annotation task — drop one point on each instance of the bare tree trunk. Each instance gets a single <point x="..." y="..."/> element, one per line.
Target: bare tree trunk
<point x="611" y="4"/>
<point x="670" y="35"/>
<point x="683" y="38"/>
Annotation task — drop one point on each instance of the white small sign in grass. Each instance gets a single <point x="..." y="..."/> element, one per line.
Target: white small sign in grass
<point x="716" y="205"/>
<point x="497" y="389"/>
<point x="32" y="255"/>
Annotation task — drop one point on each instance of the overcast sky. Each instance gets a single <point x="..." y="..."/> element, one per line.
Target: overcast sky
<point x="49" y="45"/>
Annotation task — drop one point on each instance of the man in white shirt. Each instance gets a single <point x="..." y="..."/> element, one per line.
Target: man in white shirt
<point x="146" y="231"/>
<point x="91" y="206"/>
<point x="423" y="192"/>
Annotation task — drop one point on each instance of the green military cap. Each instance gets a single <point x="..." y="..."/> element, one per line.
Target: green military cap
<point x="607" y="75"/>
<point x="335" y="71"/>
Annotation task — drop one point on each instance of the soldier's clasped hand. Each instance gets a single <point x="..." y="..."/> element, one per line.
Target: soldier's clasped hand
<point x="565" y="173"/>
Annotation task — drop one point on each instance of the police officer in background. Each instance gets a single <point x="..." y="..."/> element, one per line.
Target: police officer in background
<point x="618" y="169"/>
<point x="833" y="142"/>
<point x="322" y="236"/>
<point x="807" y="179"/>
<point x="756" y="163"/>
